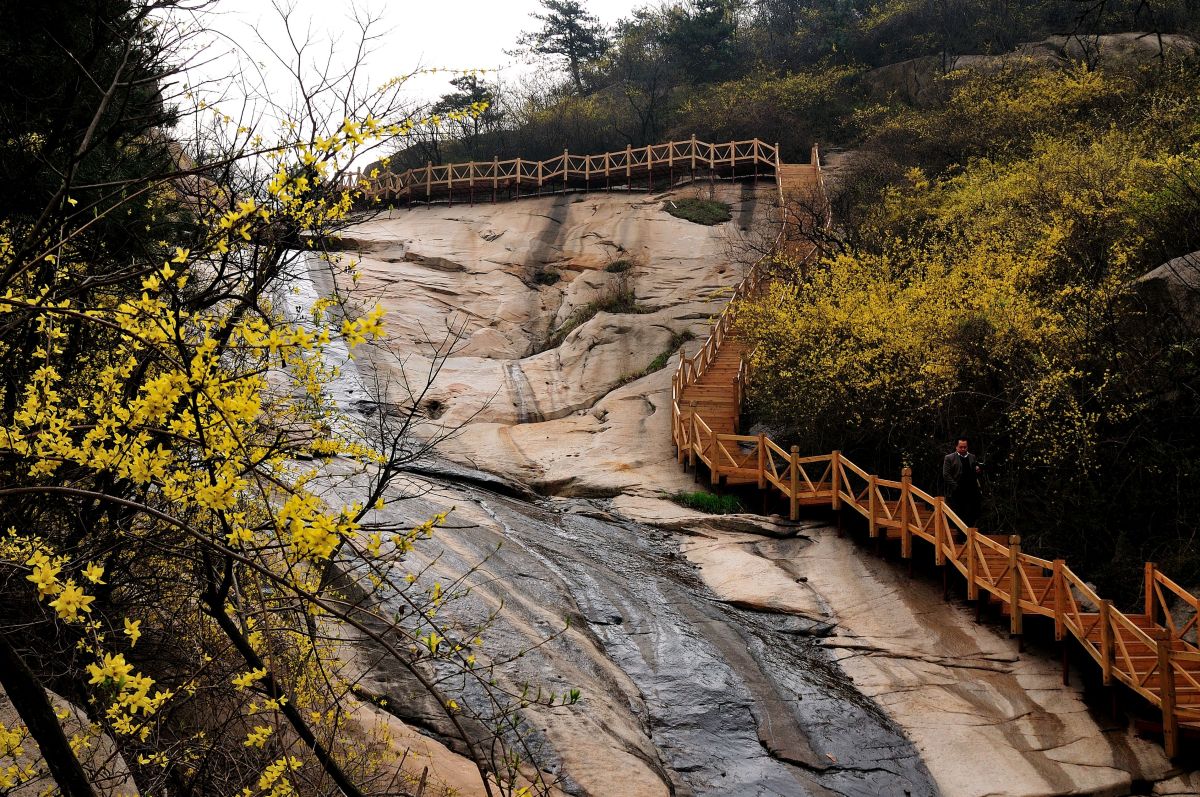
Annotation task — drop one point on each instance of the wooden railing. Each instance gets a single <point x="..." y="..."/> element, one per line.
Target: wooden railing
<point x="506" y="179"/>
<point x="1154" y="653"/>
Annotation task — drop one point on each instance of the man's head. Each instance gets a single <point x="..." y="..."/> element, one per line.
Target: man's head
<point x="961" y="446"/>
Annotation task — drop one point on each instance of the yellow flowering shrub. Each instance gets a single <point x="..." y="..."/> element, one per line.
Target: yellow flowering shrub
<point x="993" y="290"/>
<point x="170" y="544"/>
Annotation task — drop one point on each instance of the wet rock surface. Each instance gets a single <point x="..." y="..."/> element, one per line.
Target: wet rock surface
<point x="985" y="718"/>
<point x="683" y="693"/>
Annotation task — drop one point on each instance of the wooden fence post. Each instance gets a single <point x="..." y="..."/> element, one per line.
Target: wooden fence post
<point x="693" y="157"/>
<point x="692" y="439"/>
<point x="714" y="449"/>
<point x="1060" y="600"/>
<point x="778" y="176"/>
<point x="795" y="484"/>
<point x="628" y="166"/>
<point x="1150" y="609"/>
<point x="518" y="173"/>
<point x="495" y="176"/>
<point x="972" y="567"/>
<point x="905" y="513"/>
<point x="566" y="168"/>
<point x="872" y="508"/>
<point x="835" y="466"/>
<point x="1167" y="694"/>
<point x="1015" y="625"/>
<point x="1106" y="641"/>
<point x="762" y="461"/>
<point x="940" y="532"/>
<point x="428" y="180"/>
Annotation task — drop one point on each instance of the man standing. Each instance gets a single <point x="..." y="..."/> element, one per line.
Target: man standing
<point x="961" y="473"/>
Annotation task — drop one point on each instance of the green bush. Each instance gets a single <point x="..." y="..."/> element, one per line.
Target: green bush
<point x="618" y="266"/>
<point x="708" y="502"/>
<point x="700" y="211"/>
<point x="547" y="277"/>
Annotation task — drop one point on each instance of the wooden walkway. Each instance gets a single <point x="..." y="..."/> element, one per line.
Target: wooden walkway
<point x="632" y="167"/>
<point x="1150" y="651"/>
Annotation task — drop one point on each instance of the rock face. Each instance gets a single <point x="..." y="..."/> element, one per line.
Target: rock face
<point x="914" y="80"/>
<point x="559" y="418"/>
<point x="730" y="656"/>
<point x="1173" y="290"/>
<point x="986" y="719"/>
<point x="683" y="693"/>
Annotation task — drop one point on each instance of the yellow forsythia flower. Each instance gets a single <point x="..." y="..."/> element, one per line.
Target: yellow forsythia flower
<point x="133" y="629"/>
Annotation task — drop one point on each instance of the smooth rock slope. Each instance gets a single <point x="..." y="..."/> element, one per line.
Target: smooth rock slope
<point x="731" y="656"/>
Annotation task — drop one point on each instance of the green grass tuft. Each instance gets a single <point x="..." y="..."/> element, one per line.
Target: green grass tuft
<point x="547" y="277"/>
<point x="618" y="266"/>
<point x="700" y="211"/>
<point x="660" y="362"/>
<point x="622" y="301"/>
<point x="708" y="502"/>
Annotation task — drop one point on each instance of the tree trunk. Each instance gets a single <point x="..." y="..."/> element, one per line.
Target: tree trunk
<point x="35" y="710"/>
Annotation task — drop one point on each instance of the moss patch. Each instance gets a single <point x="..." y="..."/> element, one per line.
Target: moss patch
<point x="700" y="211"/>
<point x="708" y="502"/>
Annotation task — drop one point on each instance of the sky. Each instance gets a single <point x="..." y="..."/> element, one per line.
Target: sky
<point x="450" y="34"/>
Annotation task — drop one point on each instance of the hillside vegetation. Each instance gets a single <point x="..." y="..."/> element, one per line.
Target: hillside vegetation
<point x="985" y="280"/>
<point x="786" y="71"/>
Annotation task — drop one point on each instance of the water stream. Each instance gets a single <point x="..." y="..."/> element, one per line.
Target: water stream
<point x="737" y="701"/>
<point x="714" y="700"/>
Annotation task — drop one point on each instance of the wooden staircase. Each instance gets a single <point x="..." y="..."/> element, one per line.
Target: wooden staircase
<point x="796" y="180"/>
<point x="714" y="396"/>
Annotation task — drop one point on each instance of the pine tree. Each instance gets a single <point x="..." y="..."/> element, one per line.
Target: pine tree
<point x="569" y="32"/>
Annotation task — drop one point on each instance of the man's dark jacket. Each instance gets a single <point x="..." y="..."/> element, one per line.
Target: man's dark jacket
<point x="952" y="470"/>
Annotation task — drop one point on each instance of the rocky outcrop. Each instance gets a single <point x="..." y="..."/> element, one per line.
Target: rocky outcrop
<point x="1173" y="290"/>
<point x="570" y="419"/>
<point x="915" y="80"/>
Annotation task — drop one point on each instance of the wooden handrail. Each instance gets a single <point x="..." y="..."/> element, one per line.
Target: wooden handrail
<point x="849" y="465"/>
<point x="514" y="173"/>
